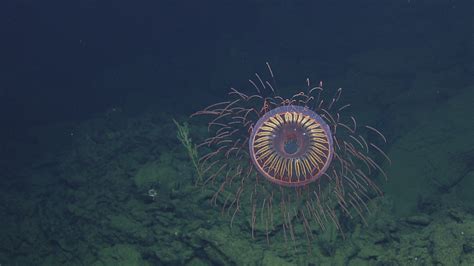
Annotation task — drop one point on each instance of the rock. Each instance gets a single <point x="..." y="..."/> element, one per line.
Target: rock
<point x="147" y="176"/>
<point x="424" y="159"/>
<point x="446" y="247"/>
<point x="128" y="228"/>
<point x="270" y="259"/>
<point x="420" y="220"/>
<point x="197" y="262"/>
<point x="174" y="252"/>
<point x="224" y="251"/>
<point x="464" y="190"/>
<point x="120" y="255"/>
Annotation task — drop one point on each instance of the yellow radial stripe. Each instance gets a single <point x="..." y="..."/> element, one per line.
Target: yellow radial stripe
<point x="308" y="120"/>
<point x="297" y="168"/>
<point x="262" y="139"/>
<point x="295" y="117"/>
<point x="271" y="129"/>
<point x="278" y="166"/>
<point x="264" y="165"/>
<point x="303" y="168"/>
<point x="264" y="133"/>
<point x="313" y="126"/>
<point x="316" y="130"/>
<point x="275" y="121"/>
<point x="297" y="163"/>
<point x="290" y="169"/>
<point x="321" y="135"/>
<point x="273" y="163"/>
<point x="319" y="146"/>
<point x="304" y="120"/>
<point x="316" y="157"/>
<point x="278" y="117"/>
<point x="307" y="125"/>
<point x="262" y="144"/>
<point x="287" y="117"/>
<point x="320" y="140"/>
<point x="270" y="124"/>
<point x="283" y="168"/>
<point x="313" y="161"/>
<point x="263" y="155"/>
<point x="269" y="160"/>
<point x="271" y="166"/>
<point x="307" y="165"/>
<point x="259" y="150"/>
<point x="300" y="118"/>
<point x="319" y="152"/>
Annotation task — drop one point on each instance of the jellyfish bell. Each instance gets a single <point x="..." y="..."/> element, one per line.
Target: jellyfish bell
<point x="280" y="160"/>
<point x="291" y="146"/>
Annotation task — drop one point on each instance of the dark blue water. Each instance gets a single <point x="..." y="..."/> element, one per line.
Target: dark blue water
<point x="88" y="94"/>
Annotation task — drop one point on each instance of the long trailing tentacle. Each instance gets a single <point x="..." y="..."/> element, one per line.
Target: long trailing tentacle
<point x="344" y="188"/>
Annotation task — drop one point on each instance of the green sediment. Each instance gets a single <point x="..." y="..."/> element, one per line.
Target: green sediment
<point x="89" y="205"/>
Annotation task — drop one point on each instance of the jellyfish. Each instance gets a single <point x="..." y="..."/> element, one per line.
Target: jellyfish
<point x="291" y="165"/>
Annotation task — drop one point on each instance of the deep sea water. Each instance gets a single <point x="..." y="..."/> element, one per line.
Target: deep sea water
<point x="80" y="157"/>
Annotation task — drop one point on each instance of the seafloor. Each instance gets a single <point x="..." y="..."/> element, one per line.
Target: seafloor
<point x="78" y="195"/>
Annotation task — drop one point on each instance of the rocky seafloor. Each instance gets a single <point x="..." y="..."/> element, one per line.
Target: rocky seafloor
<point x="79" y="194"/>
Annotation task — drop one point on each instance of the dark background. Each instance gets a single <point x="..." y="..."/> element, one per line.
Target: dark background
<point x="64" y="61"/>
<point x="74" y="173"/>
